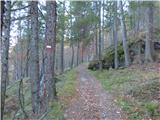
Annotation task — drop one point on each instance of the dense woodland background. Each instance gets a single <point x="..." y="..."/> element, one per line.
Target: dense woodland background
<point x="42" y="40"/>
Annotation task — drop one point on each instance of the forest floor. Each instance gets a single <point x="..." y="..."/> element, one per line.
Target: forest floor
<point x="92" y="101"/>
<point x="123" y="94"/>
<point x="136" y="89"/>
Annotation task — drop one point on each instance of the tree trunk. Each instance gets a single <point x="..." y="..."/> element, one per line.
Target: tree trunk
<point x="62" y="53"/>
<point x="72" y="60"/>
<point x="110" y="37"/>
<point x="50" y="48"/>
<point x="20" y="49"/>
<point x="82" y="50"/>
<point x="115" y="36"/>
<point x="71" y="43"/>
<point x="62" y="42"/>
<point x="96" y="33"/>
<point x="100" y="39"/>
<point x="124" y="36"/>
<point x="2" y="15"/>
<point x="77" y="52"/>
<point x="103" y="27"/>
<point x="28" y="48"/>
<point x="149" y="34"/>
<point x="4" y="54"/>
<point x="96" y="43"/>
<point x="138" y="17"/>
<point x="34" y="57"/>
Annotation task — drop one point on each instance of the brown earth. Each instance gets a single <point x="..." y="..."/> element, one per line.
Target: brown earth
<point x="93" y="102"/>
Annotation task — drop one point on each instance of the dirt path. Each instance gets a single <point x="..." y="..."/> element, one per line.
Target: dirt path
<point x="93" y="102"/>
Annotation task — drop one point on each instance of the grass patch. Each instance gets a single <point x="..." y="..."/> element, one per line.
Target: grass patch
<point x="56" y="112"/>
<point x="147" y="92"/>
<point x="137" y="91"/>
<point x="65" y="91"/>
<point x="113" y="78"/>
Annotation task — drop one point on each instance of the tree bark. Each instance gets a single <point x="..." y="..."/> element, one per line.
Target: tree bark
<point x="124" y="36"/>
<point x="72" y="60"/>
<point x="62" y="53"/>
<point x="115" y="36"/>
<point x="28" y="47"/>
<point x="82" y="53"/>
<point x="149" y="33"/>
<point x="62" y="42"/>
<point x="103" y="27"/>
<point x="77" y="52"/>
<point x="2" y="14"/>
<point x="96" y="42"/>
<point x="20" y="49"/>
<point x="34" y="57"/>
<point x="100" y="39"/>
<point x="50" y="47"/>
<point x="4" y="54"/>
<point x="96" y="32"/>
<point x="71" y="43"/>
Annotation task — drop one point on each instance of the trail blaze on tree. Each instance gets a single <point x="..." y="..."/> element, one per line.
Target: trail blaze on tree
<point x="50" y="42"/>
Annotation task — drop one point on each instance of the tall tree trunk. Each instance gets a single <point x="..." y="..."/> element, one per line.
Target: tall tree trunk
<point x="124" y="36"/>
<point x="20" y="49"/>
<point x="50" y="48"/>
<point x="103" y="27"/>
<point x="77" y="52"/>
<point x="71" y="43"/>
<point x="96" y="32"/>
<point x="28" y="47"/>
<point x="72" y="59"/>
<point x="149" y="34"/>
<point x="110" y="37"/>
<point x="82" y="52"/>
<point x="115" y="36"/>
<point x="2" y="14"/>
<point x="62" y="53"/>
<point x="96" y="43"/>
<point x="4" y="54"/>
<point x="62" y="42"/>
<point x="34" y="57"/>
<point x="138" y="16"/>
<point x="138" y="13"/>
<point x="100" y="39"/>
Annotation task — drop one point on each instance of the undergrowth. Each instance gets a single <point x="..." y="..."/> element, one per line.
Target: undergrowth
<point x="65" y="91"/>
<point x="137" y="91"/>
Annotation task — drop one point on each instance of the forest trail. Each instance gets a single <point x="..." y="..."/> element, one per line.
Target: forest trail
<point x="93" y="102"/>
